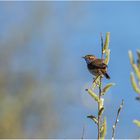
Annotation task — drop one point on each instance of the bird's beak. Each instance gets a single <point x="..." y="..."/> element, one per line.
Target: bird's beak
<point x="83" y="57"/>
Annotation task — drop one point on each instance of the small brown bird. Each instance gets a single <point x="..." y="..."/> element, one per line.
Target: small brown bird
<point x="96" y="66"/>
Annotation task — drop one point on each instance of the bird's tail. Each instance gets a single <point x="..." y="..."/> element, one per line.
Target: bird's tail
<point x="107" y="76"/>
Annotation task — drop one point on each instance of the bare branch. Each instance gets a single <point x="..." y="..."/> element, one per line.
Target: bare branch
<point x="117" y="119"/>
<point x="83" y="132"/>
<point x="102" y="45"/>
<point x="99" y="107"/>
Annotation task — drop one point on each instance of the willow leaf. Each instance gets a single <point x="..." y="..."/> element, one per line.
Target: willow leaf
<point x="136" y="70"/>
<point x="134" y="84"/>
<point x="131" y="57"/>
<point x="93" y="95"/>
<point x="93" y="118"/>
<point x="138" y="54"/>
<point x="107" y="87"/>
<point x="106" y="61"/>
<point x="106" y="44"/>
<point x="138" y="60"/>
<point x="101" y="111"/>
<point x="137" y="122"/>
<point x="103" y="129"/>
<point x="101" y="103"/>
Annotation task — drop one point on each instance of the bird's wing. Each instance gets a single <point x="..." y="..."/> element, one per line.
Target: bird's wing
<point x="99" y="64"/>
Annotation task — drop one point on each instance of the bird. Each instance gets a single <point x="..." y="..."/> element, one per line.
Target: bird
<point x="96" y="66"/>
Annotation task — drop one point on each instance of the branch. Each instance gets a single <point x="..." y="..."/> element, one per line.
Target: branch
<point x="117" y="119"/>
<point x="99" y="107"/>
<point x="102" y="45"/>
<point x="83" y="132"/>
<point x="100" y="92"/>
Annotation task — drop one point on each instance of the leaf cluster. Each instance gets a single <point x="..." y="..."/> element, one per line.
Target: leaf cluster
<point x="135" y="76"/>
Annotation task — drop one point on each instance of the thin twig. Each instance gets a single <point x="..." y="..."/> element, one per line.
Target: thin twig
<point x="99" y="106"/>
<point x="117" y="119"/>
<point x="102" y="45"/>
<point x="95" y="79"/>
<point x="83" y="132"/>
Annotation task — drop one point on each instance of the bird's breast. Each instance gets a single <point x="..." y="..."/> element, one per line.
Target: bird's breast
<point x="93" y="71"/>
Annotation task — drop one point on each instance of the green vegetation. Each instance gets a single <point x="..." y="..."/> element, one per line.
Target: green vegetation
<point x="135" y="77"/>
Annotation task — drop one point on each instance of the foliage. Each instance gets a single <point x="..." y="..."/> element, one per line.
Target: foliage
<point x="26" y="103"/>
<point x="135" y="76"/>
<point x="137" y="122"/>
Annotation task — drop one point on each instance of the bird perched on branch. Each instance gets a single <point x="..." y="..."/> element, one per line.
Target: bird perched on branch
<point x="96" y="66"/>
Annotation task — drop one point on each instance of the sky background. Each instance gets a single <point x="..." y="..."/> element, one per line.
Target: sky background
<point x="46" y="40"/>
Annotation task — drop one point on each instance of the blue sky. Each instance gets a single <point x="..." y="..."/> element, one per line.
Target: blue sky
<point x="122" y="20"/>
<point x="74" y="27"/>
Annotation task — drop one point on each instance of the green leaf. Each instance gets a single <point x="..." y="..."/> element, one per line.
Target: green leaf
<point x="138" y="61"/>
<point x="93" y="95"/>
<point x="138" y="54"/>
<point x="106" y="61"/>
<point x="131" y="57"/>
<point x="107" y="87"/>
<point x="101" y="103"/>
<point x="134" y="84"/>
<point x="137" y="122"/>
<point x="101" y="111"/>
<point x="103" y="129"/>
<point x="93" y="118"/>
<point x="136" y="70"/>
<point x="106" y="44"/>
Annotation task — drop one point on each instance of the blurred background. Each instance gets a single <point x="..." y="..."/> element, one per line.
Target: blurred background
<point x="43" y="77"/>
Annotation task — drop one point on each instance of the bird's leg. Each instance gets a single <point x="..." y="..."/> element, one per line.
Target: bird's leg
<point x="95" y="79"/>
<point x="99" y="74"/>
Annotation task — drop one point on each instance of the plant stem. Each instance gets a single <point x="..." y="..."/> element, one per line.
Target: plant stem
<point x="83" y="132"/>
<point x="100" y="91"/>
<point x="102" y="45"/>
<point x="117" y="120"/>
<point x="99" y="107"/>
